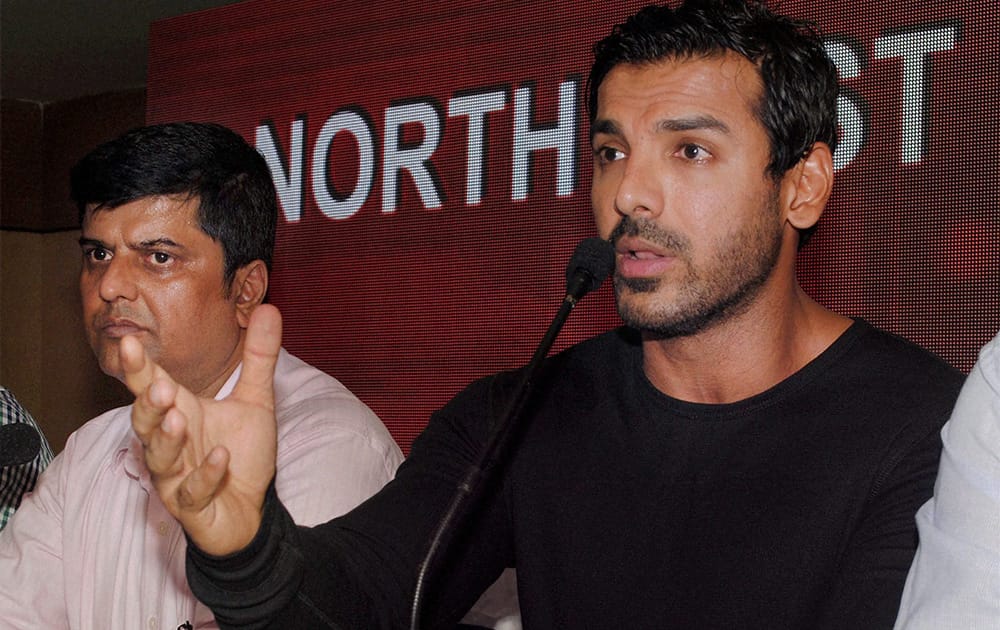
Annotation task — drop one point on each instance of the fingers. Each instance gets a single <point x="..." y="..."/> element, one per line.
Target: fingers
<point x="260" y="354"/>
<point x="153" y="388"/>
<point x="198" y="489"/>
<point x="164" y="443"/>
<point x="156" y="420"/>
<point x="139" y="369"/>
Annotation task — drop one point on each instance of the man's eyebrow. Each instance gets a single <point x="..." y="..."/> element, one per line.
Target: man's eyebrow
<point x="84" y="241"/>
<point x="686" y="123"/>
<point x="163" y="241"/>
<point x="691" y="123"/>
<point x="152" y="243"/>
<point x="603" y="125"/>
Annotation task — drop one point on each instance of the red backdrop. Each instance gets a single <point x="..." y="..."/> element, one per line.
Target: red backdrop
<point x="433" y="167"/>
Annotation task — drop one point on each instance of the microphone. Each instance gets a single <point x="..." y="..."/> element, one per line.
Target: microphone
<point x="592" y="261"/>
<point x="19" y="444"/>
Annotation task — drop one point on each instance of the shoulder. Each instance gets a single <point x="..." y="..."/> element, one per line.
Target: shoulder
<point x="102" y="434"/>
<point x="894" y="364"/>
<point x="311" y="404"/>
<point x="89" y="453"/>
<point x="10" y="410"/>
<point x="298" y="385"/>
<point x="585" y="366"/>
<point x="989" y="360"/>
<point x="975" y="423"/>
<point x="879" y="391"/>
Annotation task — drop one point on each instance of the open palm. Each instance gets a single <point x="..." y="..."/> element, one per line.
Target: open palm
<point x="211" y="461"/>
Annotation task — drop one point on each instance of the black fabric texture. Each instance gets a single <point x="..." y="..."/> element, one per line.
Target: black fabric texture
<point x="623" y="507"/>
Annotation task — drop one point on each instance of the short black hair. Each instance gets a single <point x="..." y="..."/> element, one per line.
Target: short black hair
<point x="799" y="103"/>
<point x="238" y="205"/>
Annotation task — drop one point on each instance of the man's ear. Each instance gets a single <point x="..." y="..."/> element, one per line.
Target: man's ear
<point x="250" y="287"/>
<point x="806" y="188"/>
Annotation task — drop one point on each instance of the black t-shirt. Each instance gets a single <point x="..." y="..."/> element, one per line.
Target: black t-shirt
<point x="621" y="506"/>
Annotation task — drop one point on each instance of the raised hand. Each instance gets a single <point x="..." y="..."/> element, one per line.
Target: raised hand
<point x="210" y="461"/>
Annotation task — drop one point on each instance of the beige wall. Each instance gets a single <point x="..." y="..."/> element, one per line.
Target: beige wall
<point x="44" y="358"/>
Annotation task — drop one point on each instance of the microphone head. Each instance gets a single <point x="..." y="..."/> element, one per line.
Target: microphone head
<point x="19" y="444"/>
<point x="590" y="264"/>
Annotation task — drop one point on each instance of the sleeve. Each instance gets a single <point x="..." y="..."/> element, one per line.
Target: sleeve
<point x="905" y="447"/>
<point x="955" y="578"/>
<point x="866" y="591"/>
<point x="332" y="455"/>
<point x="359" y="571"/>
<point x="31" y="555"/>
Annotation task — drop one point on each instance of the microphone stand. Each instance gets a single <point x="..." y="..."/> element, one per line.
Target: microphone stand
<point x="581" y="281"/>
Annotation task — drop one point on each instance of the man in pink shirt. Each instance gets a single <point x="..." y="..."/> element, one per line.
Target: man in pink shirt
<point x="178" y="225"/>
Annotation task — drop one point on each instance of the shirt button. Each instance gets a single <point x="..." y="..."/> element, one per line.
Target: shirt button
<point x="162" y="528"/>
<point x="151" y="622"/>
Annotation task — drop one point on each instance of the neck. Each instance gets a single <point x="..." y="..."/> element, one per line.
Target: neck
<point x="746" y="354"/>
<point x="212" y="385"/>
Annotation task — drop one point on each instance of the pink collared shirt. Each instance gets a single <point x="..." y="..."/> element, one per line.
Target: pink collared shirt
<point x="94" y="548"/>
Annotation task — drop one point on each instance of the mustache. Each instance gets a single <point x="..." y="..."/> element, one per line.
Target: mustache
<point x="649" y="231"/>
<point x="113" y="313"/>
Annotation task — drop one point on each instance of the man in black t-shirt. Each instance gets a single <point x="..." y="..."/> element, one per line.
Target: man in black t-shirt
<point x="737" y="456"/>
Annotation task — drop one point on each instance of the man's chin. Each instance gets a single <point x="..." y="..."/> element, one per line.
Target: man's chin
<point x="646" y="313"/>
<point x="112" y="369"/>
<point x="107" y="354"/>
<point x="108" y="359"/>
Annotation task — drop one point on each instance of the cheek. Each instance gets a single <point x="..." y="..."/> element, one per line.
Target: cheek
<point x="712" y="208"/>
<point x="177" y="313"/>
<point x="190" y="316"/>
<point x="605" y="223"/>
<point x="89" y="294"/>
<point x="86" y="284"/>
<point x="603" y="206"/>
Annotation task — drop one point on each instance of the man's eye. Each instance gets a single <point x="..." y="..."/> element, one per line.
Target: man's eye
<point x="694" y="152"/>
<point x="161" y="258"/>
<point x="606" y="155"/>
<point x="97" y="254"/>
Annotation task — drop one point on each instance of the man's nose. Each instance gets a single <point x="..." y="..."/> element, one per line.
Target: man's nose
<point x="117" y="281"/>
<point x="639" y="191"/>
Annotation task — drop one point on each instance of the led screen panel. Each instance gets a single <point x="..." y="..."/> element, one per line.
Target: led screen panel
<point x="433" y="167"/>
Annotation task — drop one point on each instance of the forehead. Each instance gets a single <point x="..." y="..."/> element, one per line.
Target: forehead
<point x="726" y="86"/>
<point x="147" y="214"/>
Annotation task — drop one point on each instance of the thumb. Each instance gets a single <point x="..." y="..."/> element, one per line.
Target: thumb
<point x="260" y="354"/>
